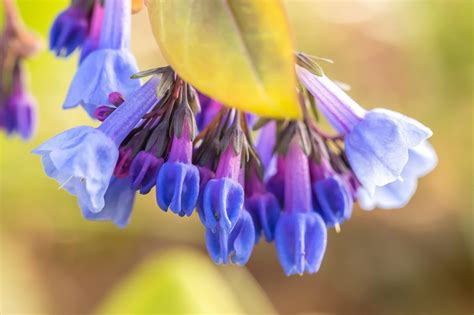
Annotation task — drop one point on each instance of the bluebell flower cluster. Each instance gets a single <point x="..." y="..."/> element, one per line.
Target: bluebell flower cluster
<point x="290" y="187"/>
<point x="17" y="105"/>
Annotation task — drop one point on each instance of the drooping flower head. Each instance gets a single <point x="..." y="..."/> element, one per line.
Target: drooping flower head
<point x="108" y="68"/>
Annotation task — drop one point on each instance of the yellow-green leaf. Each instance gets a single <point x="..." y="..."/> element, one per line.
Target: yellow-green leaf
<point x="237" y="51"/>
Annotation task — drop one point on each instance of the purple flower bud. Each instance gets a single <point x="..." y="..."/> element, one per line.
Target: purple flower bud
<point x="69" y="30"/>
<point x="334" y="200"/>
<point x="262" y="206"/>
<point x="300" y="240"/>
<point x="332" y="195"/>
<point x="238" y="244"/>
<point x="300" y="235"/>
<point x="116" y="98"/>
<point x="144" y="171"/>
<point x="224" y="196"/>
<point x="177" y="185"/>
<point x="91" y="43"/>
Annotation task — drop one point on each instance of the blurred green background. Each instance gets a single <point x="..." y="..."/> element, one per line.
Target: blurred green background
<point x="412" y="56"/>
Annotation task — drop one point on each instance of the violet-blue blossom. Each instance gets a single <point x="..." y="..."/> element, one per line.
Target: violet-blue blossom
<point x="119" y="199"/>
<point x="376" y="141"/>
<point x="236" y="244"/>
<point x="83" y="159"/>
<point x="108" y="68"/>
<point x="300" y="235"/>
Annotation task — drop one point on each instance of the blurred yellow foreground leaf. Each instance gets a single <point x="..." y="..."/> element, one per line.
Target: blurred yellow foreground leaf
<point x="182" y="281"/>
<point x="239" y="52"/>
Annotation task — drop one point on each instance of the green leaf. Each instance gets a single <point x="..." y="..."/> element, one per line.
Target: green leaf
<point x="239" y="52"/>
<point x="178" y="282"/>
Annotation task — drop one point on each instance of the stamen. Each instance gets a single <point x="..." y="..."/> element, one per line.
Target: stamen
<point x="337" y="227"/>
<point x="65" y="182"/>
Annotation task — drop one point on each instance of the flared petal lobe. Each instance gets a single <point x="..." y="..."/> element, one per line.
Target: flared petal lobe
<point x="119" y="199"/>
<point x="422" y="159"/>
<point x="377" y="147"/>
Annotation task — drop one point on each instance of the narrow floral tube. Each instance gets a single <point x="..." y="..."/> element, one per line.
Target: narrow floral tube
<point x="116" y="25"/>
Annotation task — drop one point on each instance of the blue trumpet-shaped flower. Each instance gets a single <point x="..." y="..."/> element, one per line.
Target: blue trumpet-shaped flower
<point x="144" y="171"/>
<point x="422" y="159"/>
<point x="69" y="30"/>
<point x="83" y="159"/>
<point x="376" y="142"/>
<point x="223" y="196"/>
<point x="119" y="199"/>
<point x="238" y="244"/>
<point x="109" y="68"/>
<point x="177" y="186"/>
<point x="300" y="234"/>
